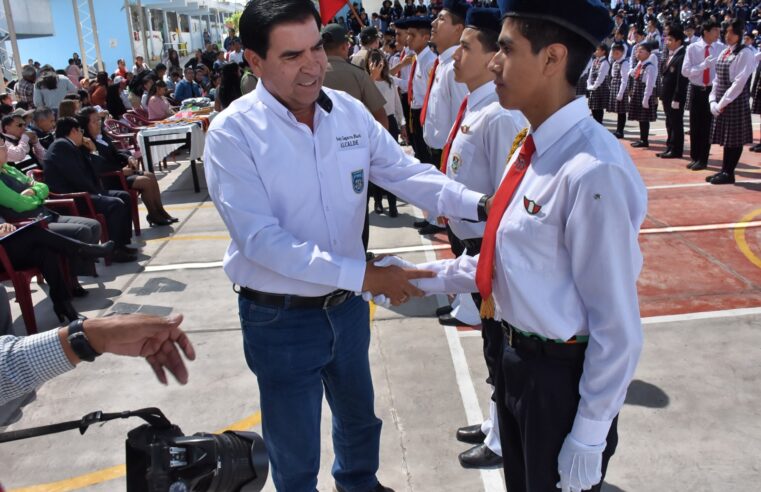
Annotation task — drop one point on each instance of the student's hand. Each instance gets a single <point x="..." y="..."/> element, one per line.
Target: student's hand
<point x="6" y="228"/>
<point x="675" y="105"/>
<point x="393" y="282"/>
<point x="646" y="103"/>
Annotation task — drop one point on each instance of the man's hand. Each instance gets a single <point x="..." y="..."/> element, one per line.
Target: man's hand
<point x="489" y="203"/>
<point x="158" y="339"/>
<point x="128" y="171"/>
<point x="6" y="229"/>
<point x="88" y="144"/>
<point x="393" y="282"/>
<point x="28" y="192"/>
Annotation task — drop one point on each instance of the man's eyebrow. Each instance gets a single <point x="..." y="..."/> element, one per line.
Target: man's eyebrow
<point x="291" y="53"/>
<point x="505" y="42"/>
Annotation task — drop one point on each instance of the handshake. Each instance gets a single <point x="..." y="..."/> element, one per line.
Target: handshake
<point x="390" y="280"/>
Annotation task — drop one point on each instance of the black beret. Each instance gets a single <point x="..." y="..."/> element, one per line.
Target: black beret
<point x="457" y="7"/>
<point x="417" y="22"/>
<point x="587" y="18"/>
<point x="484" y="19"/>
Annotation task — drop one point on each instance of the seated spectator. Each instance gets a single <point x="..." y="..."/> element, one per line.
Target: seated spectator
<point x="160" y="71"/>
<point x="173" y="60"/>
<point x="138" y="88"/>
<point x="69" y="169"/>
<point x="158" y="107"/>
<point x="21" y="198"/>
<point x="213" y="86"/>
<point x="172" y="80"/>
<point x="51" y="88"/>
<point x="24" y="148"/>
<point x="25" y="86"/>
<point x="195" y="61"/>
<point x="68" y="107"/>
<point x="140" y="66"/>
<point x="220" y="61"/>
<point x="109" y="158"/>
<point x="187" y="87"/>
<point x="203" y="79"/>
<point x="35" y="247"/>
<point x="114" y="101"/>
<point x="6" y="98"/>
<point x="98" y="94"/>
<point x="43" y="124"/>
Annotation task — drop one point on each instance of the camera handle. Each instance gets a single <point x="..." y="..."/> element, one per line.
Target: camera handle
<point x="152" y="415"/>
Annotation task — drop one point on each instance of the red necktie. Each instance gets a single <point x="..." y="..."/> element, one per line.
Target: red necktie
<point x="638" y="71"/>
<point x="452" y="135"/>
<point x="428" y="92"/>
<point x="707" y="71"/>
<point x="485" y="268"/>
<point x="409" y="82"/>
<point x="726" y="54"/>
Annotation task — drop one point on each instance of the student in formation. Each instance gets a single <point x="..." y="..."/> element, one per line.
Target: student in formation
<point x="598" y="83"/>
<point x="643" y="105"/>
<point x="619" y="80"/>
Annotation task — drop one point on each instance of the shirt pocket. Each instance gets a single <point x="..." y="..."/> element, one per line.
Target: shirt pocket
<point x="461" y="156"/>
<point x="529" y="244"/>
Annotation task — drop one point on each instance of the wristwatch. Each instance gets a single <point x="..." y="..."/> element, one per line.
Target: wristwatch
<point x="482" y="215"/>
<point x="79" y="342"/>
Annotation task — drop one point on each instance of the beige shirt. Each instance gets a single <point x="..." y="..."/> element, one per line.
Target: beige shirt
<point x="343" y="76"/>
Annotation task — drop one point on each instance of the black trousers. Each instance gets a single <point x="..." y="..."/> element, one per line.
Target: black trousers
<point x="377" y="191"/>
<point x="644" y="131"/>
<point x="674" y="127"/>
<point x="598" y="114"/>
<point x="731" y="158"/>
<point x="700" y="124"/>
<point x="537" y="399"/>
<point x="621" y="123"/>
<point x="115" y="206"/>
<point x="422" y="152"/>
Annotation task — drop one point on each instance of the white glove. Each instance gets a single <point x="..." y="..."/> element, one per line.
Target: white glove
<point x="674" y="104"/>
<point x="646" y="103"/>
<point x="579" y="465"/>
<point x="707" y="63"/>
<point x="620" y="98"/>
<point x="715" y="109"/>
<point x="381" y="300"/>
<point x="590" y="87"/>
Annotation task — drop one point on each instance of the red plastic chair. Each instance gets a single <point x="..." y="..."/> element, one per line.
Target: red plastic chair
<point x="20" y="280"/>
<point x="136" y="120"/>
<point x="132" y="194"/>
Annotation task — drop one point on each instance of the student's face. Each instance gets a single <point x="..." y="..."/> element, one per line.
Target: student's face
<point x="189" y="75"/>
<point x="713" y="35"/>
<point x="444" y="33"/>
<point x="470" y="59"/>
<point x="642" y="55"/>
<point x="618" y="54"/>
<point x="401" y="37"/>
<point x="672" y="43"/>
<point x="599" y="52"/>
<point x="294" y="68"/>
<point x="732" y="37"/>
<point x="417" y="39"/>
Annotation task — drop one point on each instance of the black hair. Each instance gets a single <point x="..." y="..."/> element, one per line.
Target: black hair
<point x="155" y="88"/>
<point x="71" y="97"/>
<point x="709" y="25"/>
<point x="114" y="103"/>
<point x="5" y="109"/>
<point x="488" y="39"/>
<point x="737" y="26"/>
<point x="229" y="86"/>
<point x="618" y="47"/>
<point x="22" y="105"/>
<point x="8" y="119"/>
<point x="83" y="117"/>
<point x="604" y="47"/>
<point x="83" y="95"/>
<point x="676" y="32"/>
<point x="260" y="17"/>
<point x="64" y="126"/>
<point x="160" y="66"/>
<point x="541" y="33"/>
<point x="71" y="60"/>
<point x="102" y="78"/>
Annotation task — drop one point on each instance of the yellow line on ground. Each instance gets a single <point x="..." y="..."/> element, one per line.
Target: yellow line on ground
<point x="742" y="243"/>
<point x="119" y="471"/>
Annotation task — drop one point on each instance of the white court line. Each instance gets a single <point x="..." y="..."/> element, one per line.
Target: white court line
<point x="491" y="479"/>
<point x="696" y="185"/>
<point x="728" y="313"/>
<point x="698" y="228"/>
<point x="469" y="334"/>
<point x="183" y="266"/>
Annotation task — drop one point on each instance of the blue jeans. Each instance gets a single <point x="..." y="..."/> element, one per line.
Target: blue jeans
<point x="295" y="353"/>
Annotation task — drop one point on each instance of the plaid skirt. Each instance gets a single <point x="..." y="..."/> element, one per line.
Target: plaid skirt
<point x="615" y="106"/>
<point x="733" y="127"/>
<point x="600" y="97"/>
<point x="581" y="86"/>
<point x="636" y="111"/>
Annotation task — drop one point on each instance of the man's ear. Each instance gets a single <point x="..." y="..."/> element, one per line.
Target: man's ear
<point x="556" y="60"/>
<point x="254" y="61"/>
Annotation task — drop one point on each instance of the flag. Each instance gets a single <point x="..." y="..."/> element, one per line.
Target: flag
<point x="329" y="8"/>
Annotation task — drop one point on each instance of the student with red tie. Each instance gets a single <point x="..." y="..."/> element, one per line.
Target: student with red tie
<point x="560" y="256"/>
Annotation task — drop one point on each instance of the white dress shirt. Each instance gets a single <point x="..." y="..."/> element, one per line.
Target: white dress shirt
<point x="602" y="74"/>
<point x="294" y="200"/>
<point x="479" y="152"/>
<point x="624" y="79"/>
<point x="649" y="75"/>
<point x="741" y="69"/>
<point x="571" y="269"/>
<point x="444" y="101"/>
<point x="405" y="72"/>
<point x="692" y="69"/>
<point x="393" y="104"/>
<point x="424" y="65"/>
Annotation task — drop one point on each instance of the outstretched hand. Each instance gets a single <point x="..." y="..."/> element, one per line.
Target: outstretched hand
<point x="393" y="282"/>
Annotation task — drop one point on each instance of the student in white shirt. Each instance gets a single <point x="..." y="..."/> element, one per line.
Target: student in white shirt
<point x="619" y="80"/>
<point x="598" y="83"/>
<point x="643" y="105"/>
<point x="287" y="167"/>
<point x="562" y="274"/>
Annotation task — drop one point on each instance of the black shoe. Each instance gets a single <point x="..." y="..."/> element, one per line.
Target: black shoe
<point x="420" y="224"/>
<point x="671" y="155"/>
<point x="710" y="177"/>
<point x="171" y="219"/>
<point x="618" y="135"/>
<point x="378" y="208"/>
<point x="692" y="163"/>
<point x="449" y="320"/>
<point x="128" y="249"/>
<point x="122" y="255"/>
<point x="480" y="456"/>
<point x="393" y="212"/>
<point x="699" y="166"/>
<point x="444" y="310"/>
<point x="640" y="144"/>
<point x="79" y="291"/>
<point x="378" y="488"/>
<point x="97" y="250"/>
<point x="157" y="222"/>
<point x="471" y="434"/>
<point x="755" y="148"/>
<point x="723" y="178"/>
<point x="431" y="229"/>
<point x="65" y="311"/>
<point x="661" y="154"/>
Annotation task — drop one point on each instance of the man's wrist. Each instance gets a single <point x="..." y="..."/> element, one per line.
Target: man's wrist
<point x="483" y="213"/>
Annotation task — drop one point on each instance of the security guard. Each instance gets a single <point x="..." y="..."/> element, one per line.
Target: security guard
<point x="287" y="167"/>
<point x="560" y="257"/>
<point x="474" y="155"/>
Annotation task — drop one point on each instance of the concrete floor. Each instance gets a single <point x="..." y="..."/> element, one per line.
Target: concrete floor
<point x="690" y="422"/>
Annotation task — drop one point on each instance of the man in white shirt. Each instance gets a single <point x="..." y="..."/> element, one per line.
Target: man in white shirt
<point x="418" y="36"/>
<point x="474" y="155"/>
<point x="560" y="258"/>
<point x="235" y="55"/>
<point x="287" y="167"/>
<point x="700" y="68"/>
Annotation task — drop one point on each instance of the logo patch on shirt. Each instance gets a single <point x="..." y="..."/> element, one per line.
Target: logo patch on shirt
<point x="531" y="206"/>
<point x="456" y="162"/>
<point x="358" y="181"/>
<point x="465" y="129"/>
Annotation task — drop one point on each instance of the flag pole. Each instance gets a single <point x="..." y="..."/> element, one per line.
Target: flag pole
<point x="354" y="13"/>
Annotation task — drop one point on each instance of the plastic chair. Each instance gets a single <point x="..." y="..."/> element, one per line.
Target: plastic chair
<point x="20" y="280"/>
<point x="124" y="186"/>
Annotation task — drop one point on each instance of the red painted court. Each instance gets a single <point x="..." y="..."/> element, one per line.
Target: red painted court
<point x="698" y="257"/>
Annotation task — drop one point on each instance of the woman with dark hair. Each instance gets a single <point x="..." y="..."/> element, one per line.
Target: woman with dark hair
<point x="229" y="87"/>
<point x="109" y="158"/>
<point x="114" y="103"/>
<point x="196" y="60"/>
<point x="51" y="88"/>
<point x="173" y="60"/>
<point x="158" y="107"/>
<point x="99" y="90"/>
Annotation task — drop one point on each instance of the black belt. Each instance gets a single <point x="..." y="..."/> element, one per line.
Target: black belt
<point x="526" y="343"/>
<point x="296" y="302"/>
<point x="701" y="88"/>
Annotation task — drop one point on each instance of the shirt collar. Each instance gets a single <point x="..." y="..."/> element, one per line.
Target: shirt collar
<point x="426" y="51"/>
<point x="446" y="55"/>
<point x="557" y="125"/>
<point x="482" y="93"/>
<point x="323" y="102"/>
